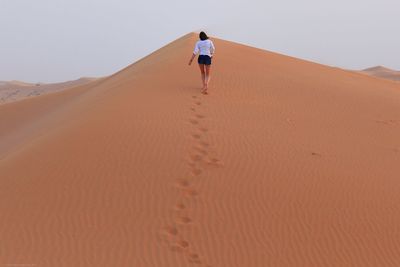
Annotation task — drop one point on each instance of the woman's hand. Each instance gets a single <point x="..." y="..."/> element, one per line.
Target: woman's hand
<point x="191" y="59"/>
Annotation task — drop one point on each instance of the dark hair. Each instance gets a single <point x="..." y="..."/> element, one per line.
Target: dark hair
<point x="203" y="36"/>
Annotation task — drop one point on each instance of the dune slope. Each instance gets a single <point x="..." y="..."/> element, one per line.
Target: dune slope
<point x="285" y="163"/>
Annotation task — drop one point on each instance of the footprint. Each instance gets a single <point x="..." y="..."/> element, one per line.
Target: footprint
<point x="183" y="183"/>
<point x="194" y="96"/>
<point x="192" y="164"/>
<point x="203" y="129"/>
<point x="196" y="136"/>
<point x="195" y="122"/>
<point x="180" y="206"/>
<point x="190" y="192"/>
<point x="194" y="258"/>
<point x="183" y="244"/>
<point x="201" y="150"/>
<point x="196" y="172"/>
<point x="179" y="246"/>
<point x="200" y="116"/>
<point x="198" y="103"/>
<point x="316" y="154"/>
<point x="196" y="157"/>
<point x="204" y="144"/>
<point x="184" y="220"/>
<point x="193" y="109"/>
<point x="214" y="161"/>
<point x="171" y="230"/>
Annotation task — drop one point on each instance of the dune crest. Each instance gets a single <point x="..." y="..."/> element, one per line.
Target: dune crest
<point x="285" y="163"/>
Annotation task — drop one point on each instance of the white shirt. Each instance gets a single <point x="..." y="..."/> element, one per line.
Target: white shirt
<point x="205" y="47"/>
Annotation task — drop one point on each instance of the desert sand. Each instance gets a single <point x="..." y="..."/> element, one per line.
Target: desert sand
<point x="383" y="72"/>
<point x="285" y="163"/>
<point x="15" y="90"/>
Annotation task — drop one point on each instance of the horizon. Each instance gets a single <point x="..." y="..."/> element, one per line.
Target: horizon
<point x="104" y="38"/>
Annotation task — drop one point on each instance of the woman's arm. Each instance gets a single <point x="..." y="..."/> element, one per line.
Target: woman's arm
<point x="212" y="49"/>
<point x="191" y="59"/>
<point x="195" y="51"/>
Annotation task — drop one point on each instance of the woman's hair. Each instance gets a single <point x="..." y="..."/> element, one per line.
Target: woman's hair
<point x="203" y="36"/>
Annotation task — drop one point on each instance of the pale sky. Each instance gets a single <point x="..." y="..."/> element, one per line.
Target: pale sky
<point x="58" y="40"/>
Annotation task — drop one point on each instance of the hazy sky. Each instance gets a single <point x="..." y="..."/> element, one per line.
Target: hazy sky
<point x="56" y="40"/>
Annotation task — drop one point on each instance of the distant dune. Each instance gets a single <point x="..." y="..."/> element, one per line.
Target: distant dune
<point x="15" y="90"/>
<point x="285" y="163"/>
<point x="15" y="84"/>
<point x="383" y="72"/>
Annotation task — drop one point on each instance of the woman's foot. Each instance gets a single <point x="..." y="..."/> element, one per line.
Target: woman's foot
<point x="204" y="91"/>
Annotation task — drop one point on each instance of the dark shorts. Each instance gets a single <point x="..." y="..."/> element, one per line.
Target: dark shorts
<point x="204" y="59"/>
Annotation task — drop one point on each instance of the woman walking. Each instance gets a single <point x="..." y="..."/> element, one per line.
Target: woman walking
<point x="205" y="48"/>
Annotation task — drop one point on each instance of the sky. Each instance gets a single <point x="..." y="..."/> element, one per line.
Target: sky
<point x="59" y="40"/>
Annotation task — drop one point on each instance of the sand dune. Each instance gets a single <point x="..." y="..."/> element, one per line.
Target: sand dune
<point x="15" y="84"/>
<point x="285" y="163"/>
<point x="15" y="90"/>
<point x="382" y="72"/>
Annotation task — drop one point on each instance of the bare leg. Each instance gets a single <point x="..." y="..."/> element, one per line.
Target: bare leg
<point x="203" y="75"/>
<point x="207" y="77"/>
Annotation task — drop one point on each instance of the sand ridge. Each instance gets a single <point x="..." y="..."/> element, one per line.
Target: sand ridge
<point x="285" y="163"/>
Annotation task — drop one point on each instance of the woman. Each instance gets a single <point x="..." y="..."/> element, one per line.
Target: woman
<point x="205" y="48"/>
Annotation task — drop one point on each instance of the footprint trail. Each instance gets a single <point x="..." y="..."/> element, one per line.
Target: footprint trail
<point x="198" y="161"/>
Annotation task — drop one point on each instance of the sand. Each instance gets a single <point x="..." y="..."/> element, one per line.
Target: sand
<point x="285" y="163"/>
<point x="383" y="72"/>
<point x="15" y="90"/>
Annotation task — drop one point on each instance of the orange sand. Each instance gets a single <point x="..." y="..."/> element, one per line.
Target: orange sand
<point x="285" y="163"/>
